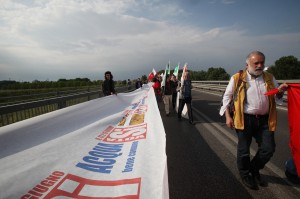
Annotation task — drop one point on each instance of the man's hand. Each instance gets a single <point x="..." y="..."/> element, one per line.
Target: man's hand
<point x="283" y="87"/>
<point x="229" y="120"/>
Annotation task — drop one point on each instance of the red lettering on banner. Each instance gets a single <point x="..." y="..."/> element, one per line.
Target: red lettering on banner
<point x="44" y="186"/>
<point x="77" y="187"/>
<point x="105" y="133"/>
<point x="28" y="196"/>
<point x="35" y="193"/>
<point x="125" y="134"/>
<point x="141" y="110"/>
<point x="127" y="112"/>
<point x="40" y="189"/>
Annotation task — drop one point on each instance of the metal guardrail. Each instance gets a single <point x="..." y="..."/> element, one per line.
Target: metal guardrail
<point x="17" y="112"/>
<point x="220" y="86"/>
<point x="7" y="100"/>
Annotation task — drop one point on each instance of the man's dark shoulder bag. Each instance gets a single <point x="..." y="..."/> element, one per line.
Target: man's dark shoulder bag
<point x="234" y="96"/>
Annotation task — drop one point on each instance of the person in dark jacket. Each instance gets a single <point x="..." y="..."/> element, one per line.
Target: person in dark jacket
<point x="167" y="94"/>
<point x="138" y="83"/>
<point x="129" y="84"/>
<point x="186" y="92"/>
<point x="108" y="86"/>
<point x="174" y="85"/>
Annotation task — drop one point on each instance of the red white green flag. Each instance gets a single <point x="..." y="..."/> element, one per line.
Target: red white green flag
<point x="176" y="70"/>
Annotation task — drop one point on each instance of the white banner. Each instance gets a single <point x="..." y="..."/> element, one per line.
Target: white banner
<point x="111" y="147"/>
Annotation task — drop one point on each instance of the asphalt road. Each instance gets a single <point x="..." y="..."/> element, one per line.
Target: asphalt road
<point x="202" y="157"/>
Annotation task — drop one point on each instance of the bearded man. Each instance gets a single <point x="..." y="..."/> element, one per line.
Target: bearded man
<point x="254" y="116"/>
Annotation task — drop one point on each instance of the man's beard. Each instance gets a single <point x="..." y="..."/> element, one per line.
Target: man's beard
<point x="255" y="72"/>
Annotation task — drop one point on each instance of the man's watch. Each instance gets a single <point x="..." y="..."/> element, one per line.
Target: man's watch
<point x="280" y="92"/>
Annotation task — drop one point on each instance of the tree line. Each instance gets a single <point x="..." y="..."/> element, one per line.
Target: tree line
<point x="78" y="82"/>
<point x="286" y="68"/>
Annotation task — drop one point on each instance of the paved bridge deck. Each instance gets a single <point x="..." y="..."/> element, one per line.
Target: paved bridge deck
<point x="200" y="166"/>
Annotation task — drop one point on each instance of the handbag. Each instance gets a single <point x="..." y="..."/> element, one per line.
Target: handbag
<point x="234" y="96"/>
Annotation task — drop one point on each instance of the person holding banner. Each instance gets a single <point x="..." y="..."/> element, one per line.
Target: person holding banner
<point x="108" y="86"/>
<point x="186" y="93"/>
<point x="254" y="116"/>
<point x="157" y="89"/>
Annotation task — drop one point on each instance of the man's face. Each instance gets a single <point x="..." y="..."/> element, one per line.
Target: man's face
<point x="256" y="65"/>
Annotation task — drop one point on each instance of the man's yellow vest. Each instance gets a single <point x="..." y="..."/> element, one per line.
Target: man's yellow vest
<point x="240" y="100"/>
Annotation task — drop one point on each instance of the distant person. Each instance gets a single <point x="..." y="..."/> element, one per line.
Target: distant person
<point x="254" y="117"/>
<point x="129" y="84"/>
<point x="108" y="86"/>
<point x="157" y="89"/>
<point x="186" y="94"/>
<point x="159" y="77"/>
<point x="138" y="83"/>
<point x="174" y="86"/>
<point x="167" y="95"/>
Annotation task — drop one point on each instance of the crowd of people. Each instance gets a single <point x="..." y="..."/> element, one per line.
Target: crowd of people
<point x="254" y="113"/>
<point x="172" y="89"/>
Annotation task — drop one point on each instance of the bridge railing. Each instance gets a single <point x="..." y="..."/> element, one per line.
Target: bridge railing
<point x="215" y="86"/>
<point x="17" y="112"/>
<point x="7" y="100"/>
<point x="220" y="86"/>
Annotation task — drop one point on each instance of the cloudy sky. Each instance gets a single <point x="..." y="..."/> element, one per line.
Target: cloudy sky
<point x="53" y="39"/>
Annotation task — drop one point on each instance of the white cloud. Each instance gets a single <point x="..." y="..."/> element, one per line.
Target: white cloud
<point x="228" y="1"/>
<point x="67" y="39"/>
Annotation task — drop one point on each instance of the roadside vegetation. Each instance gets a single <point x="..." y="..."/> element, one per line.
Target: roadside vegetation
<point x="14" y="93"/>
<point x="286" y="68"/>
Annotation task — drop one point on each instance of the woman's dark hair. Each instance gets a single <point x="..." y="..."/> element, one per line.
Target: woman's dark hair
<point x="108" y="72"/>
